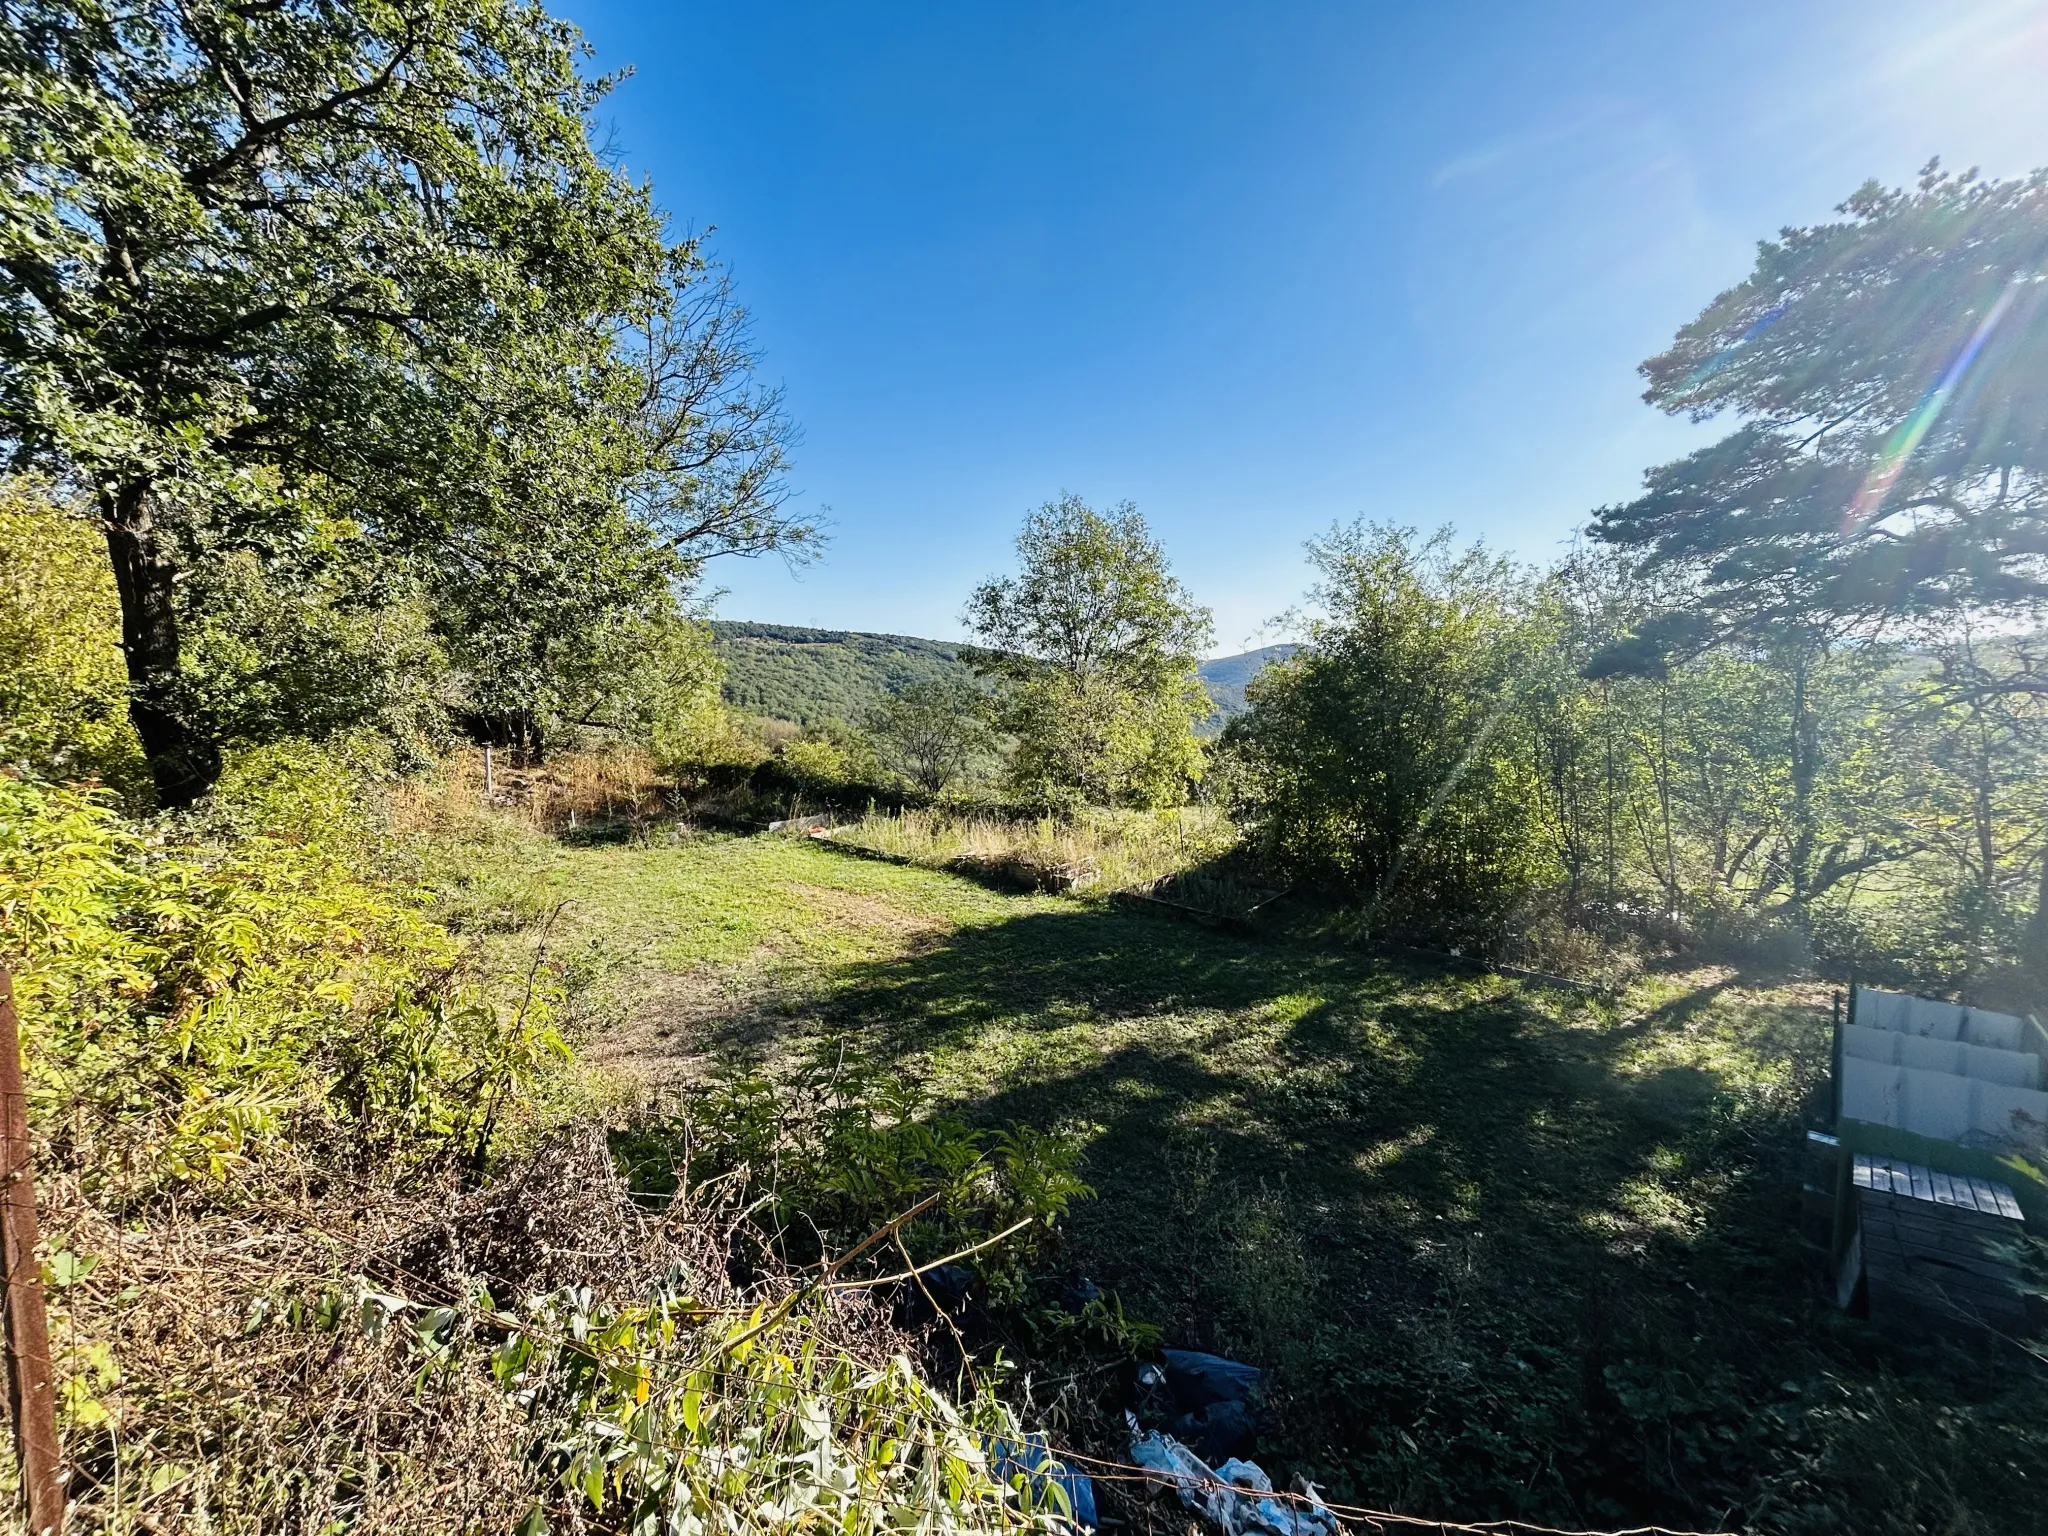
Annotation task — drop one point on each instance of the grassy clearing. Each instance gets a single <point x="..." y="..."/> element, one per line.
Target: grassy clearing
<point x="1510" y="1251"/>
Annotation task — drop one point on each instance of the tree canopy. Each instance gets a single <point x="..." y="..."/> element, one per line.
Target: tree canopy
<point x="1094" y="645"/>
<point x="1891" y="452"/>
<point x="1382" y="758"/>
<point x="266" y="269"/>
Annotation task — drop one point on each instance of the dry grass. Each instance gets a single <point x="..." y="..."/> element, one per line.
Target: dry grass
<point x="1093" y="851"/>
<point x="222" y="1378"/>
<point x="617" y="790"/>
<point x="315" y="1353"/>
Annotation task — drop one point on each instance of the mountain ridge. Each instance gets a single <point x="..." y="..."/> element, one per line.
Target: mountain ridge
<point x="813" y="677"/>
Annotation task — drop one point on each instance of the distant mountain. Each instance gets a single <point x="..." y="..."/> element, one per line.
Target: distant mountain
<point x="813" y="676"/>
<point x="1226" y="676"/>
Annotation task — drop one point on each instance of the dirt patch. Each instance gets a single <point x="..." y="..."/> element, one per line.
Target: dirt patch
<point x="867" y="914"/>
<point x="685" y="1027"/>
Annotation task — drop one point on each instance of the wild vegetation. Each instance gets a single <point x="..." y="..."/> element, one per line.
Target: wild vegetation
<point x="449" y="1115"/>
<point x="1790" y="697"/>
<point x="1511" y="1249"/>
<point x="1093" y="646"/>
<point x="1096" y="850"/>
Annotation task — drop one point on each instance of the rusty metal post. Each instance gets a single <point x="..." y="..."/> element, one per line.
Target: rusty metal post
<point x="31" y="1395"/>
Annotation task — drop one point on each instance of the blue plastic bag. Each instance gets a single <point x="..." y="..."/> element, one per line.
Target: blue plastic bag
<point x="1039" y="1467"/>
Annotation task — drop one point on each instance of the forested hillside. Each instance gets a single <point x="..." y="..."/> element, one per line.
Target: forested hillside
<point x="1226" y="676"/>
<point x="813" y="676"/>
<point x="816" y="676"/>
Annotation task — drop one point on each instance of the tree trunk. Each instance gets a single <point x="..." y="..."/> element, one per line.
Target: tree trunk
<point x="1805" y="772"/>
<point x="1671" y="903"/>
<point x="182" y="762"/>
<point x="2036" y="942"/>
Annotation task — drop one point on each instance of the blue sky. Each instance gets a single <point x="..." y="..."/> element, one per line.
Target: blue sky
<point x="1256" y="267"/>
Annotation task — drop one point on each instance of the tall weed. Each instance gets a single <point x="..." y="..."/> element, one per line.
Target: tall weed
<point x="1099" y="850"/>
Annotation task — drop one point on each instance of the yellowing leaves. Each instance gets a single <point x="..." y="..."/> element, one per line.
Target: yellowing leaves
<point x="213" y="997"/>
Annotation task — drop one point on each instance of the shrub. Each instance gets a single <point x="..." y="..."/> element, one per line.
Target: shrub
<point x="431" y="1359"/>
<point x="63" y="687"/>
<point x="933" y="733"/>
<point x="189" y="1002"/>
<point x="1379" y="760"/>
<point x="837" y="1153"/>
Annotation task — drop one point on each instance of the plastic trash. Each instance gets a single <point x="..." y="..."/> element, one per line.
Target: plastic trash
<point x="1286" y="1517"/>
<point x="1035" y="1461"/>
<point x="945" y="1291"/>
<point x="1216" y="1402"/>
<point x="1235" y="1499"/>
<point x="950" y="1285"/>
<point x="1155" y="1398"/>
<point x="1218" y="1430"/>
<point x="1187" y="1475"/>
<point x="1198" y="1380"/>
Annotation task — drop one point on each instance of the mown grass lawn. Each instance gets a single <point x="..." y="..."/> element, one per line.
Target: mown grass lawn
<point x="1509" y="1251"/>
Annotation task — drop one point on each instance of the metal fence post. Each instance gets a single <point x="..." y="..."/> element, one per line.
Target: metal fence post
<point x="31" y="1394"/>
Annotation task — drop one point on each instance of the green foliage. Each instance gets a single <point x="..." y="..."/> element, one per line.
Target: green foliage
<point x="1094" y="646"/>
<point x="816" y="762"/>
<point x="1887" y="465"/>
<point x="367" y="262"/>
<point x="1746" y="776"/>
<point x="311" y="653"/>
<point x="677" y="1410"/>
<point x="1864" y="481"/>
<point x="665" y="1419"/>
<point x="1508" y="1251"/>
<point x="1780" y="798"/>
<point x="606" y="647"/>
<point x="933" y="733"/>
<point x="192" y="1002"/>
<point x="319" y="646"/>
<point x="1382" y="759"/>
<point x="1090" y="740"/>
<point x="816" y="676"/>
<point x="371" y="270"/>
<point x="63" y="690"/>
<point x="836" y="1154"/>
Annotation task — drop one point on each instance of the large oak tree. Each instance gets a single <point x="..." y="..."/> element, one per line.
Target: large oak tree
<point x="268" y="263"/>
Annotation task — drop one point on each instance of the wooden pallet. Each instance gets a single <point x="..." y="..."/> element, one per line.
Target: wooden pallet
<point x="1937" y="1246"/>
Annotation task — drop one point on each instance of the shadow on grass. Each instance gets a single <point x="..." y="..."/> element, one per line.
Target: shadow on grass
<point x="1509" y="1254"/>
<point x="1409" y="1192"/>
